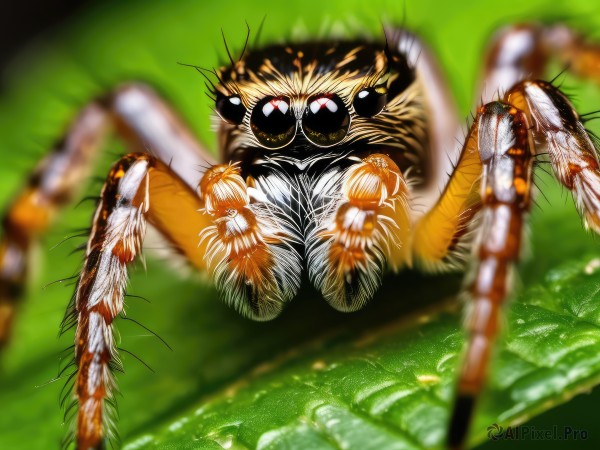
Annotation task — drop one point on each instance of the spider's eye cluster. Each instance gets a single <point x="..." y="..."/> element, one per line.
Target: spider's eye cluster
<point x="273" y="123"/>
<point x="326" y="120"/>
<point x="370" y="101"/>
<point x="231" y="109"/>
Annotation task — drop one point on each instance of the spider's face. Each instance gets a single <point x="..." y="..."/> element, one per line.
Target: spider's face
<point x="317" y="96"/>
<point x="323" y="134"/>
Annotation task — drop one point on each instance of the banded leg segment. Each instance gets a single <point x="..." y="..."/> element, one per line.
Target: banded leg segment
<point x="139" y="116"/>
<point x="441" y="239"/>
<point x="533" y="111"/>
<point x="127" y="203"/>
<point x="364" y="224"/>
<point x="521" y="52"/>
<point x="148" y="123"/>
<point x="517" y="53"/>
<point x="558" y="127"/>
<point x="505" y="148"/>
<point x="117" y="234"/>
<point x="49" y="188"/>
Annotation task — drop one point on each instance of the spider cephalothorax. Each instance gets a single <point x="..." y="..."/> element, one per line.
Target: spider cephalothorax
<point x="332" y="156"/>
<point x="322" y="97"/>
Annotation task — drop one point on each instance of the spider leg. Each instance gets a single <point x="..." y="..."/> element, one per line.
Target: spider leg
<point x="499" y="146"/>
<point x="517" y="53"/>
<point x="140" y="117"/>
<point x="240" y="238"/>
<point x="439" y="104"/>
<point x="361" y="222"/>
<point x="532" y="111"/>
<point x="522" y="52"/>
<point x="133" y="195"/>
<point x="48" y="188"/>
<point x="505" y="147"/>
<point x="441" y="239"/>
<point x="572" y="152"/>
<point x="501" y="143"/>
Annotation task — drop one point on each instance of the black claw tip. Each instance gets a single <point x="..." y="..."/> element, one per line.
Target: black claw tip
<point x="460" y="421"/>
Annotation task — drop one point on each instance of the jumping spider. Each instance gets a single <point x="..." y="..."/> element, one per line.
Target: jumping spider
<point x="334" y="161"/>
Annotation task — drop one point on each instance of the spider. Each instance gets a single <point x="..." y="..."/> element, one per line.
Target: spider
<point x="334" y="164"/>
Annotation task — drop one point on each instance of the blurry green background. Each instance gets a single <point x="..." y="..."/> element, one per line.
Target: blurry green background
<point x="212" y="346"/>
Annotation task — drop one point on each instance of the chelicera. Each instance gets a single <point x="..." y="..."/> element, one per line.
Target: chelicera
<point x="334" y="163"/>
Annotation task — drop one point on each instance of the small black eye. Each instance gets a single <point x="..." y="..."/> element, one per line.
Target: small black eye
<point x="273" y="123"/>
<point x="326" y="120"/>
<point x="370" y="101"/>
<point x="231" y="109"/>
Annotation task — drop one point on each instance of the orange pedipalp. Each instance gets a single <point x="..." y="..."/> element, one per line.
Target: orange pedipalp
<point x="370" y="227"/>
<point x="243" y="245"/>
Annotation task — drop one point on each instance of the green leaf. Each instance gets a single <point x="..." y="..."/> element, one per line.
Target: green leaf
<point x="381" y="378"/>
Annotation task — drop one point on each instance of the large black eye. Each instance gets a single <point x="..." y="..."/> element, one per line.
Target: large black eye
<point x="231" y="109"/>
<point x="370" y="101"/>
<point x="273" y="123"/>
<point x="326" y="120"/>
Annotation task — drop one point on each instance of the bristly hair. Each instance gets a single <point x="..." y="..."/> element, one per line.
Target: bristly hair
<point x="212" y="76"/>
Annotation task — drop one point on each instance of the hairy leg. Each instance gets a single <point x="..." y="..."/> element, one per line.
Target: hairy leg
<point x="505" y="148"/>
<point x="139" y="116"/>
<point x="537" y="110"/>
<point x="516" y="53"/>
<point x="442" y="239"/>
<point x="558" y="128"/>
<point x="542" y="114"/>
<point x="127" y="203"/>
<point x="522" y="52"/>
<point x="48" y="188"/>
